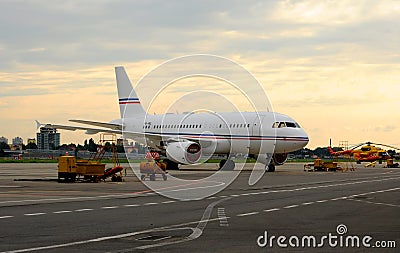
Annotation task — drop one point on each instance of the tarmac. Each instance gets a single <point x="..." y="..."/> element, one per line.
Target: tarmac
<point x="337" y="209"/>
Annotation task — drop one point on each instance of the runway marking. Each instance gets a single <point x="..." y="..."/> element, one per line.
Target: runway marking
<point x="83" y="210"/>
<point x="149" y="192"/>
<point x="213" y="197"/>
<point x="197" y="231"/>
<point x="375" y="203"/>
<point x="106" y="238"/>
<point x="150" y="204"/>
<point x="109" y="207"/>
<point x="34" y="214"/>
<point x="65" y="211"/>
<point x="247" y="214"/>
<point x="223" y="222"/>
<point x="287" y="207"/>
<point x="168" y="202"/>
<point x="132" y="205"/>
<point x="265" y="192"/>
<point x="351" y="197"/>
<point x="6" y="217"/>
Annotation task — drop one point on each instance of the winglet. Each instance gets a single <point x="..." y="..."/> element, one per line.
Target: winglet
<point x="38" y="124"/>
<point x="129" y="103"/>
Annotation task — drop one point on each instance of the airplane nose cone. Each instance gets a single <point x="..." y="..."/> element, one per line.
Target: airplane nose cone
<point x="305" y="139"/>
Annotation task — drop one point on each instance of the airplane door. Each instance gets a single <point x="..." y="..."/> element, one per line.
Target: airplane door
<point x="255" y="138"/>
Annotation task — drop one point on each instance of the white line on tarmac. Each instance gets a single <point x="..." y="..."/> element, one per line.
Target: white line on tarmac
<point x="84" y="210"/>
<point x="106" y="238"/>
<point x="247" y="214"/>
<point x="150" y="204"/>
<point x="6" y="217"/>
<point x="64" y="211"/>
<point x="109" y="207"/>
<point x="34" y="214"/>
<point x="287" y="207"/>
<point x="168" y="202"/>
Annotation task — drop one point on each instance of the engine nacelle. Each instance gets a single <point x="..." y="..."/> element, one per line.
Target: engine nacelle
<point x="184" y="152"/>
<point x="266" y="159"/>
<point x="279" y="159"/>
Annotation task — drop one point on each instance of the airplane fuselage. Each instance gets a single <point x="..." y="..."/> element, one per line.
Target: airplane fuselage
<point x="224" y="133"/>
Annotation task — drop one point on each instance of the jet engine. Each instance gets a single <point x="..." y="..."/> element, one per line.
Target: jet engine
<point x="184" y="152"/>
<point x="279" y="159"/>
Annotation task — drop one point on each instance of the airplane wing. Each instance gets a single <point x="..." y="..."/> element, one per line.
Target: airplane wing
<point x="113" y="126"/>
<point x="117" y="129"/>
<point x="88" y="129"/>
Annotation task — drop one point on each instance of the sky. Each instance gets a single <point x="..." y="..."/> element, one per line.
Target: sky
<point x="334" y="66"/>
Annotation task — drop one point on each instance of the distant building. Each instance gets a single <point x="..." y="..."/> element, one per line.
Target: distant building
<point x="48" y="138"/>
<point x="122" y="142"/>
<point x="31" y="140"/>
<point x="17" y="141"/>
<point x="4" y="139"/>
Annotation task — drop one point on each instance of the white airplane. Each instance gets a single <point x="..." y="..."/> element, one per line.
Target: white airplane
<point x="185" y="138"/>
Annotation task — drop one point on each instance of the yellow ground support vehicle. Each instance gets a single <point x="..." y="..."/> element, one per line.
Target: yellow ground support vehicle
<point x="151" y="169"/>
<point x="320" y="165"/>
<point x="69" y="170"/>
<point x="390" y="164"/>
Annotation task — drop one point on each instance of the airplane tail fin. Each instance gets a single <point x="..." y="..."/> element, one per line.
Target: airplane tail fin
<point x="129" y="103"/>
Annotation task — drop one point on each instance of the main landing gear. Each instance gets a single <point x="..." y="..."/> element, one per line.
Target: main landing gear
<point x="270" y="167"/>
<point x="226" y="164"/>
<point x="171" y="165"/>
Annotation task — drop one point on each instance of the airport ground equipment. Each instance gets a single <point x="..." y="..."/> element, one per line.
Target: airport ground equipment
<point x="67" y="169"/>
<point x="71" y="170"/>
<point x="390" y="164"/>
<point x="113" y="173"/>
<point x="319" y="165"/>
<point x="152" y="168"/>
<point x="371" y="164"/>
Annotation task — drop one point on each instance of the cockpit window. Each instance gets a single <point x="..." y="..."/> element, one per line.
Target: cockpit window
<point x="285" y="124"/>
<point x="290" y="124"/>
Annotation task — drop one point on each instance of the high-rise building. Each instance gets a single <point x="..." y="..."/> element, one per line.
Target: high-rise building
<point x="48" y="138"/>
<point x="31" y="140"/>
<point x="17" y="141"/>
<point x="4" y="139"/>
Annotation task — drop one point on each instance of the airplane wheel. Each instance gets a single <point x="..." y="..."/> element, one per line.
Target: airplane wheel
<point x="227" y="165"/>
<point x="270" y="167"/>
<point x="171" y="165"/>
<point x="222" y="163"/>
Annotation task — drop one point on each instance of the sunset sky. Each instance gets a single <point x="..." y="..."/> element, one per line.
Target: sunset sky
<point x="334" y="66"/>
